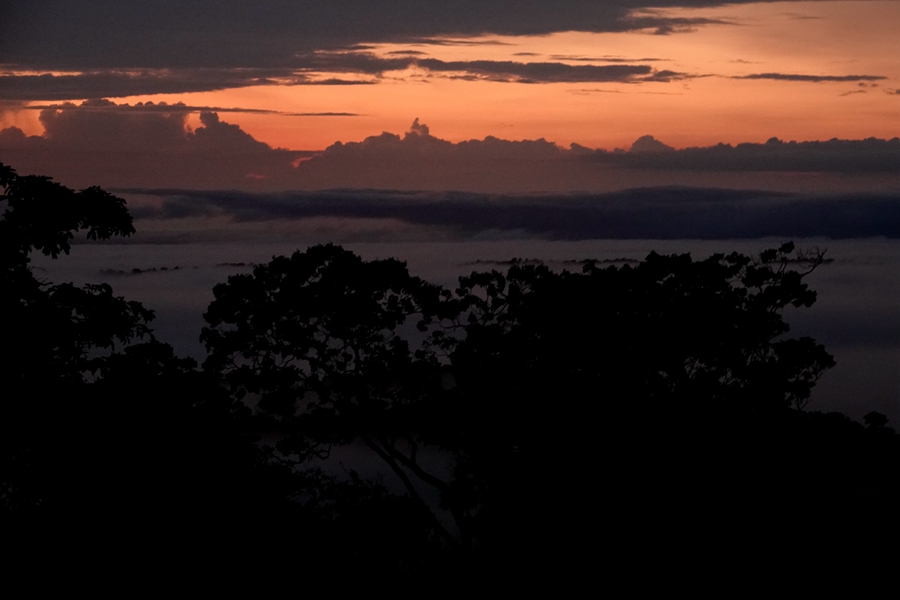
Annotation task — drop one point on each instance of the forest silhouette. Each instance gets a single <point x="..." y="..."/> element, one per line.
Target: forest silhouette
<point x="529" y="418"/>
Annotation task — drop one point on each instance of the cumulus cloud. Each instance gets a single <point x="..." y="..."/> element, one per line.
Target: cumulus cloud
<point x="85" y="147"/>
<point x="101" y="143"/>
<point x="419" y="160"/>
<point x="648" y="143"/>
<point x="645" y="213"/>
<point x="871" y="155"/>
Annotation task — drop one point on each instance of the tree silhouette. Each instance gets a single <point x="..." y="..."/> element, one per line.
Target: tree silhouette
<point x="99" y="421"/>
<point x="314" y="340"/>
<point x="54" y="335"/>
<point x="514" y="375"/>
<point x="528" y="414"/>
<point x="107" y="435"/>
<point x="671" y="330"/>
<point x="636" y="380"/>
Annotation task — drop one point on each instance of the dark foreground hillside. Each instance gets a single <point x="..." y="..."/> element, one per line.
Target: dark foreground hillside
<point x="529" y="421"/>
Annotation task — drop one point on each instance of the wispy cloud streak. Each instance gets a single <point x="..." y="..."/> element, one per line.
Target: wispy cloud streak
<point x="104" y="105"/>
<point x="810" y="78"/>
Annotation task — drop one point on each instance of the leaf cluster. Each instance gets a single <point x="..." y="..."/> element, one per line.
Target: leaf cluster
<point x="41" y="214"/>
<point x="57" y="333"/>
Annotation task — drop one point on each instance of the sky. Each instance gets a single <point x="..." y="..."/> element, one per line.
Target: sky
<point x="487" y="96"/>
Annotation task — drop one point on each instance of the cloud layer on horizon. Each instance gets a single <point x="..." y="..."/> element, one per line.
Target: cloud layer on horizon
<point x="150" y="145"/>
<point x="421" y="161"/>
<point x="113" y="147"/>
<point x="644" y="213"/>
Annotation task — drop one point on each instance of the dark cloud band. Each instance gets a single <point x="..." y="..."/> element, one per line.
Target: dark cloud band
<point x="871" y="155"/>
<point x="149" y="145"/>
<point x="648" y="213"/>
<point x="538" y="72"/>
<point x="106" y="34"/>
<point x="315" y="68"/>
<point x="117" y="84"/>
<point x="811" y="78"/>
<point x="103" y="105"/>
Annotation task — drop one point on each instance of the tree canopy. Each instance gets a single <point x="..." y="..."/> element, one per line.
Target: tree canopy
<point x="99" y="422"/>
<point x="519" y="418"/>
<point x="497" y="373"/>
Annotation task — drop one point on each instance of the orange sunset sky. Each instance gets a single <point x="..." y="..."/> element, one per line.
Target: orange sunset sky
<point x="820" y="38"/>
<point x="695" y="75"/>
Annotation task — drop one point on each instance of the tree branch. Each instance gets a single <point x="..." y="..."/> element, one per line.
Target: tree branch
<point x="412" y="491"/>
